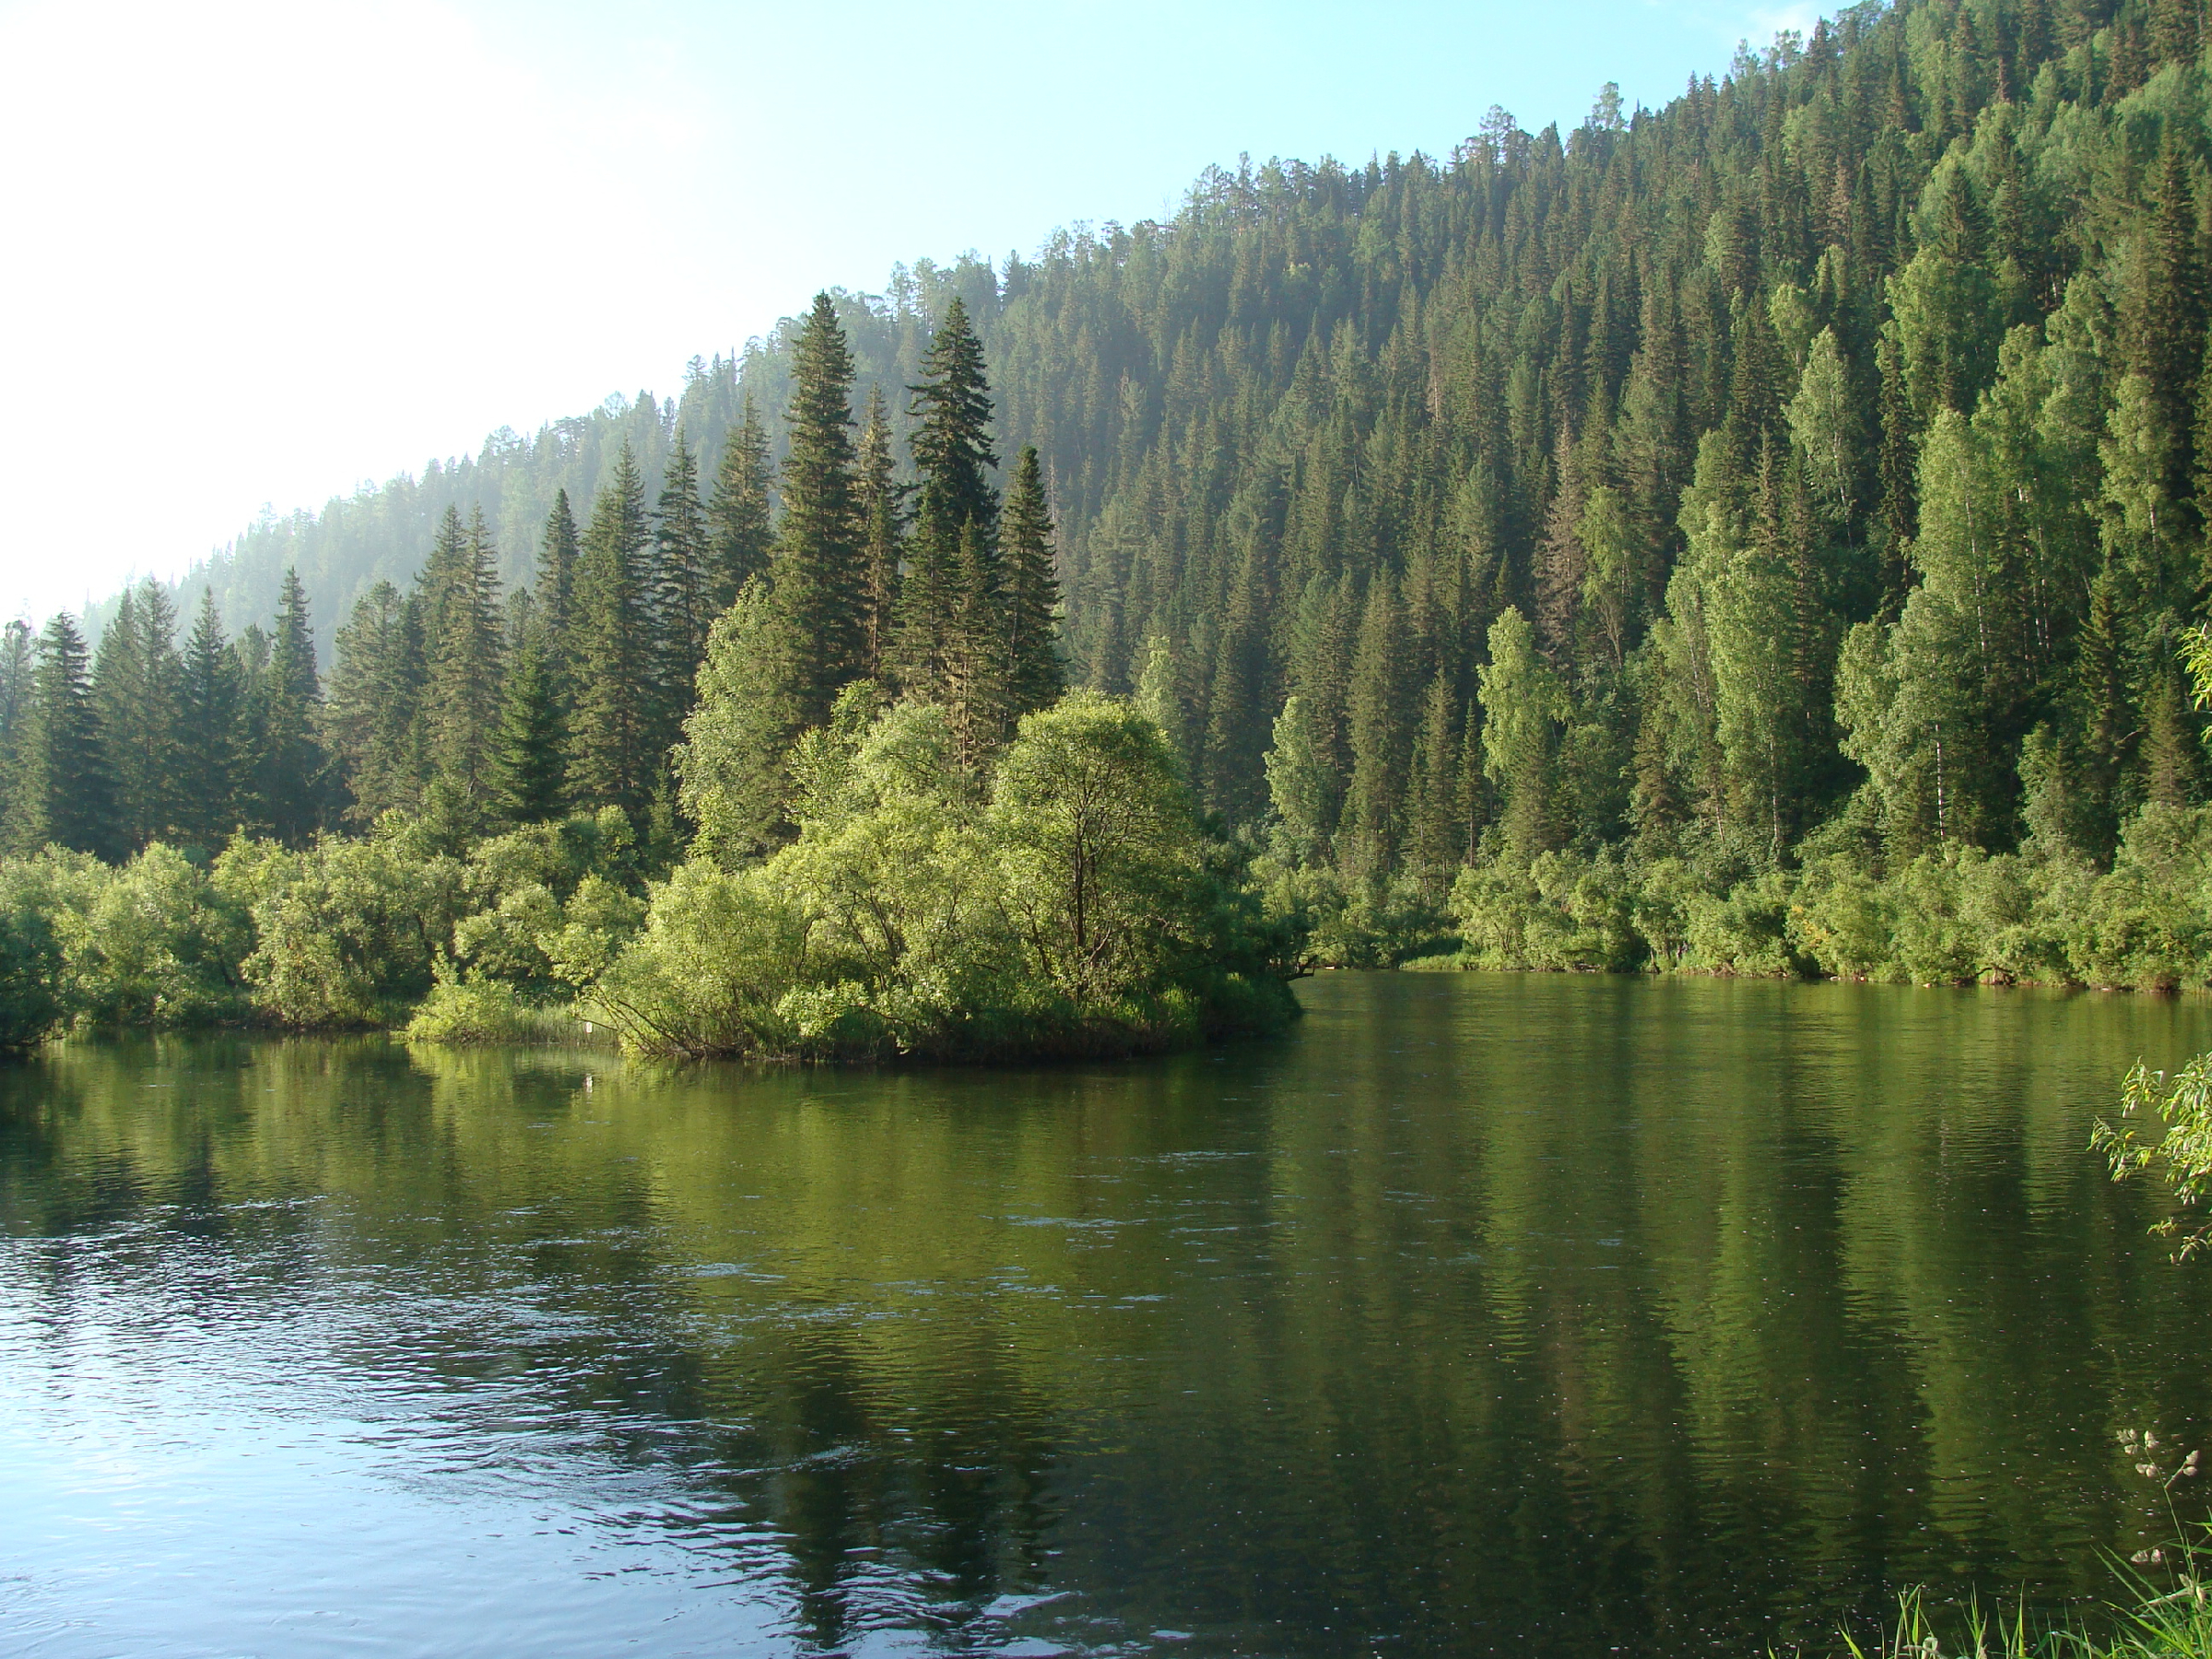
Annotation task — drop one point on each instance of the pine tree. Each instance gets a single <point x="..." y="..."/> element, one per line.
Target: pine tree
<point x="528" y="766"/>
<point x="288" y="764"/>
<point x="2162" y="313"/>
<point x="1900" y="514"/>
<point x="682" y="586"/>
<point x="556" y="590"/>
<point x="739" y="533"/>
<point x="372" y="720"/>
<point x="883" y="537"/>
<point x="1432" y="815"/>
<point x="461" y="649"/>
<point x="817" y="576"/>
<point x="614" y="657"/>
<point x="1031" y="587"/>
<point x="1367" y="838"/>
<point x="134" y="688"/>
<point x="208" y="732"/>
<point x="19" y="688"/>
<point x="974" y="649"/>
<point x="953" y="456"/>
<point x="63" y="794"/>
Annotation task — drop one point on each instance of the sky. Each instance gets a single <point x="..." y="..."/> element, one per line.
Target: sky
<point x="257" y="252"/>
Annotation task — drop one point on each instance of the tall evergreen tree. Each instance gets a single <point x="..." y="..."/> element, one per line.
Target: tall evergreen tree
<point x="556" y="589"/>
<point x="19" y="688"/>
<point x="63" y="793"/>
<point x="529" y="770"/>
<point x="682" y="585"/>
<point x="953" y="456"/>
<point x="883" y="537"/>
<point x="1031" y="587"/>
<point x="372" y="720"/>
<point x="134" y="688"/>
<point x="208" y="733"/>
<point x="817" y="575"/>
<point x="289" y="765"/>
<point x="615" y="658"/>
<point x="460" y="647"/>
<point x="740" y="534"/>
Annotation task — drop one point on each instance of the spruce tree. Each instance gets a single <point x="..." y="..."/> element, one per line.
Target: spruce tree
<point x="740" y="535"/>
<point x="953" y="456"/>
<point x="62" y="794"/>
<point x="1031" y="592"/>
<point x="134" y="688"/>
<point x="288" y="766"/>
<point x="208" y="732"/>
<point x="461" y="659"/>
<point x="817" y="576"/>
<point x="883" y="537"/>
<point x="2162" y="311"/>
<point x="528" y="766"/>
<point x="556" y="590"/>
<point x="614" y="657"/>
<point x="682" y="585"/>
<point x="372" y="719"/>
<point x="18" y="685"/>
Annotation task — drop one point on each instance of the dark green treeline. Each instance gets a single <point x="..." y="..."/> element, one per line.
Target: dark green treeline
<point x="1817" y="456"/>
<point x="475" y="707"/>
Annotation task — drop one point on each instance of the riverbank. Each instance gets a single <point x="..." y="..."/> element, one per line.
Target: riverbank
<point x="1959" y="917"/>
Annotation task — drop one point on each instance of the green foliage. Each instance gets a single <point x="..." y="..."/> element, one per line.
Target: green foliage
<point x="1083" y="910"/>
<point x="730" y="765"/>
<point x="471" y="1010"/>
<point x="1790" y="495"/>
<point x="33" y="999"/>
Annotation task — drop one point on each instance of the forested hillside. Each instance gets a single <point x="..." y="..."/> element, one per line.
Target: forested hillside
<point x="1803" y="476"/>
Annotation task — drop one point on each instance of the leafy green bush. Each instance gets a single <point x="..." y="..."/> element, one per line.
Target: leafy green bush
<point x="33" y="999"/>
<point x="1081" y="909"/>
<point x="471" y="1010"/>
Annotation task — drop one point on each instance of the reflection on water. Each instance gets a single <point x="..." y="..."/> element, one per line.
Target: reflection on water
<point x="1545" y="1316"/>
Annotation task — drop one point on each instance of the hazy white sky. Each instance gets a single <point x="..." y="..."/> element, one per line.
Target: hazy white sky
<point x="259" y="251"/>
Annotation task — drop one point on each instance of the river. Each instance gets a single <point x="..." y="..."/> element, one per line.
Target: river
<point x="1550" y="1315"/>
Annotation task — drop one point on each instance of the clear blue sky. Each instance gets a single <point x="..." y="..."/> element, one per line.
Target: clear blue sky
<point x="281" y="247"/>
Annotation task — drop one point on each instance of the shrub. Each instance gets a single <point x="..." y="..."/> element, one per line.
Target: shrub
<point x="471" y="1010"/>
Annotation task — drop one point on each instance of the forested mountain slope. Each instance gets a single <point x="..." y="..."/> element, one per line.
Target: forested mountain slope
<point x="1821" y="450"/>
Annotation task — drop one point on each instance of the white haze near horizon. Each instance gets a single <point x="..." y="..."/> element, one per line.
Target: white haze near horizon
<point x="264" y="252"/>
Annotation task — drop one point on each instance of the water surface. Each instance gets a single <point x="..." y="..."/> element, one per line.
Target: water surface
<point x="1543" y="1316"/>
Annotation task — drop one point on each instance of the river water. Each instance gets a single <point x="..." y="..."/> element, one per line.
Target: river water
<point x="1542" y="1315"/>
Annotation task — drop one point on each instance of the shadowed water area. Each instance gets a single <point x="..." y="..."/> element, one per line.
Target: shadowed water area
<point x="1545" y="1316"/>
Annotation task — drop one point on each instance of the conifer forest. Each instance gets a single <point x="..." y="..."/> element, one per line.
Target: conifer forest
<point x="1765" y="535"/>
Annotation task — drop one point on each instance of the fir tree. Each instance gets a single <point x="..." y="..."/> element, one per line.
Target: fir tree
<point x="134" y="688"/>
<point x="372" y="719"/>
<point x="62" y="794"/>
<point x="556" y="590"/>
<point x="18" y="686"/>
<point x="883" y="537"/>
<point x="740" y="533"/>
<point x="953" y="456"/>
<point x="528" y="766"/>
<point x="1031" y="592"/>
<point x="461" y="659"/>
<point x="288" y="766"/>
<point x="614" y="657"/>
<point x="2162" y="312"/>
<point x="682" y="585"/>
<point x="817" y="575"/>
<point x="208" y="732"/>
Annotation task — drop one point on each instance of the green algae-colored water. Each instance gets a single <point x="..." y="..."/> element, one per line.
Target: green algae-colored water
<point x="1541" y="1316"/>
